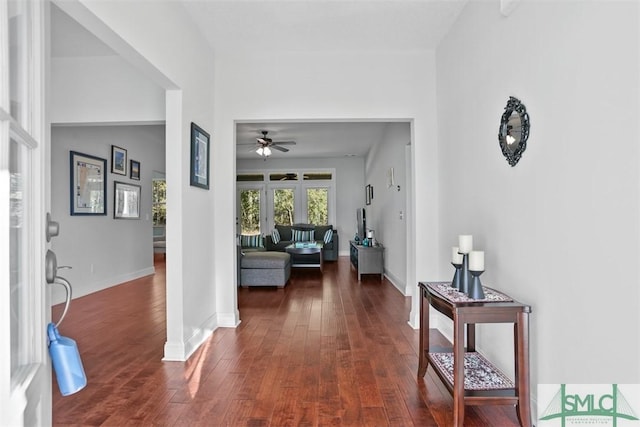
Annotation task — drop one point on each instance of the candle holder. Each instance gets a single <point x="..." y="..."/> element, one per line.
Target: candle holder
<point x="475" y="289"/>
<point x="455" y="284"/>
<point x="465" y="276"/>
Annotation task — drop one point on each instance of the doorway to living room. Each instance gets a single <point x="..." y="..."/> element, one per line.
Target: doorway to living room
<point x="360" y="155"/>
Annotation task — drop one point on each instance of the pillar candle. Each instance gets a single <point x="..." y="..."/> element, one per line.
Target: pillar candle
<point x="476" y="260"/>
<point x="456" y="257"/>
<point x="465" y="243"/>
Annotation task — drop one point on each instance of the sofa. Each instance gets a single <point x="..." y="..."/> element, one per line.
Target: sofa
<point x="287" y="234"/>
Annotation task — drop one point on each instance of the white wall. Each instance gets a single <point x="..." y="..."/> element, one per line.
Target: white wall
<point x="383" y="215"/>
<point x="560" y="229"/>
<point x="349" y="184"/>
<point x="103" y="251"/>
<point x="328" y="86"/>
<point x="95" y="89"/>
<point x="194" y="245"/>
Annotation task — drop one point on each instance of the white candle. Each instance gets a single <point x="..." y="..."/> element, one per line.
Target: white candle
<point x="465" y="243"/>
<point x="456" y="257"/>
<point x="476" y="260"/>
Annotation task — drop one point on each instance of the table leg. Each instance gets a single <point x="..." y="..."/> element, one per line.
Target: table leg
<point x="423" y="362"/>
<point x="458" y="371"/>
<point x="471" y="337"/>
<point x="521" y="342"/>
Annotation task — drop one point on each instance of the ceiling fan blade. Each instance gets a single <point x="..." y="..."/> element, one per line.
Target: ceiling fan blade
<point x="285" y="142"/>
<point x="277" y="147"/>
<point x="263" y="140"/>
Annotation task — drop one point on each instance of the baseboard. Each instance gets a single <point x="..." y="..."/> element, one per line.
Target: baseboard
<point x="229" y="320"/>
<point x="58" y="296"/>
<point x="397" y="283"/>
<point x="180" y="352"/>
<point x="173" y="352"/>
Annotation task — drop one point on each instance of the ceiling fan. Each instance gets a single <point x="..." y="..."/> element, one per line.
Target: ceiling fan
<point x="264" y="145"/>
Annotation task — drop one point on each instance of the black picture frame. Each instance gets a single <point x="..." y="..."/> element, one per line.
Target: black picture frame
<point x="200" y="142"/>
<point x="126" y="200"/>
<point x="118" y="160"/>
<point x="134" y="170"/>
<point x="367" y="194"/>
<point x="87" y="184"/>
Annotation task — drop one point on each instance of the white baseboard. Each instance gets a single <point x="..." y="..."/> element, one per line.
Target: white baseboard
<point x="397" y="283"/>
<point x="174" y="352"/>
<point x="229" y="320"/>
<point x="58" y="296"/>
<point x="180" y="352"/>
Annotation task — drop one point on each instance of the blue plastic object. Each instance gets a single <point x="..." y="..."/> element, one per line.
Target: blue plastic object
<point x="66" y="362"/>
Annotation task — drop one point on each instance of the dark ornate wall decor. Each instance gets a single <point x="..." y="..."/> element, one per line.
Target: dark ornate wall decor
<point x="514" y="130"/>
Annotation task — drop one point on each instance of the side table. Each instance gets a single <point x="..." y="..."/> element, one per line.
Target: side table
<point x="493" y="387"/>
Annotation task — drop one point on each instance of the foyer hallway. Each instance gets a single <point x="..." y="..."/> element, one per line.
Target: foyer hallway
<point x="325" y="350"/>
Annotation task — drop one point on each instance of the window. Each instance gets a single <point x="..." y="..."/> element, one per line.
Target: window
<point x="267" y="198"/>
<point x="283" y="206"/>
<point x="318" y="206"/>
<point x="250" y="211"/>
<point x="159" y="208"/>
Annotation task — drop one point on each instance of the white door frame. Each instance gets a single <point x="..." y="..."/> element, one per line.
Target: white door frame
<point x="25" y="368"/>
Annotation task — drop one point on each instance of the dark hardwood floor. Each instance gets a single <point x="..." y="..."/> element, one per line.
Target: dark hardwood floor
<point x="325" y="350"/>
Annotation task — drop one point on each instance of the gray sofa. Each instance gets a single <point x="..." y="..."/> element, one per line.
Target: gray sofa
<point x="329" y="252"/>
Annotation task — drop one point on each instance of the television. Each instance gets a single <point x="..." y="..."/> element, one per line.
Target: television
<point x="361" y="223"/>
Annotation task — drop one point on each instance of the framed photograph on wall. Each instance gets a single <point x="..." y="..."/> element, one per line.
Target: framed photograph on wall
<point x="126" y="200"/>
<point x="88" y="184"/>
<point x="199" y="157"/>
<point x="118" y="160"/>
<point x="367" y="194"/>
<point x="134" y="170"/>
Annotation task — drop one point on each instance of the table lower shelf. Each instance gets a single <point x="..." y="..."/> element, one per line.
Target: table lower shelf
<point x="481" y="378"/>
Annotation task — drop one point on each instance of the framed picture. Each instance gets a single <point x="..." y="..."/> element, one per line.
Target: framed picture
<point x="370" y="192"/>
<point x="118" y="160"/>
<point x="367" y="194"/>
<point x="134" y="170"/>
<point x="199" y="157"/>
<point x="88" y="185"/>
<point x="126" y="200"/>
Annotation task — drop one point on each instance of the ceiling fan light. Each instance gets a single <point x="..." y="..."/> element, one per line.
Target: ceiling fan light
<point x="259" y="151"/>
<point x="267" y="151"/>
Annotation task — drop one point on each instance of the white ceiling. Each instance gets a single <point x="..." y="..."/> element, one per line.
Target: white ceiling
<point x="297" y="25"/>
<point x="323" y="25"/>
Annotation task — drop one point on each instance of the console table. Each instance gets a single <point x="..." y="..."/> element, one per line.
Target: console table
<point x="492" y="387"/>
<point x="367" y="259"/>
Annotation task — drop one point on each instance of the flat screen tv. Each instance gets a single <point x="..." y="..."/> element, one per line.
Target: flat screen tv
<point x="361" y="223"/>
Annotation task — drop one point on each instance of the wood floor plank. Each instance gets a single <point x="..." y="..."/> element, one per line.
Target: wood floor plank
<point x="327" y="350"/>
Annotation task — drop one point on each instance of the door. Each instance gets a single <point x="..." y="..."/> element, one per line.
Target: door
<point x="25" y="370"/>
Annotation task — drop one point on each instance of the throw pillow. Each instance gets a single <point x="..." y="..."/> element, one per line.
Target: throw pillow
<point x="251" y="241"/>
<point x="302" y="235"/>
<point x="328" y="236"/>
<point x="275" y="236"/>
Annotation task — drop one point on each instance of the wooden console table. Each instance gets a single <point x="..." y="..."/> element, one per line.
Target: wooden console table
<point x="495" y="308"/>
